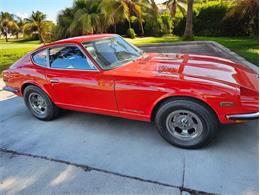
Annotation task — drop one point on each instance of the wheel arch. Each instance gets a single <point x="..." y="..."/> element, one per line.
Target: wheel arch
<point x="180" y="97"/>
<point x="26" y="84"/>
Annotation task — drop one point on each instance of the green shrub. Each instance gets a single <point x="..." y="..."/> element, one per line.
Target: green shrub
<point x="209" y="20"/>
<point x="131" y="33"/>
<point x="242" y="18"/>
<point x="167" y="24"/>
<point x="222" y="19"/>
<point x="160" y="25"/>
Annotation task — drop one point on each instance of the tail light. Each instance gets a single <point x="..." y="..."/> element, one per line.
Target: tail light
<point x="6" y="75"/>
<point x="247" y="95"/>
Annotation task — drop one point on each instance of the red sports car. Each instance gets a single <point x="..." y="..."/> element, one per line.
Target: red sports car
<point x="185" y="95"/>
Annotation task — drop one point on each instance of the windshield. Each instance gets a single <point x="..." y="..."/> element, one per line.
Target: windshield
<point x="112" y="52"/>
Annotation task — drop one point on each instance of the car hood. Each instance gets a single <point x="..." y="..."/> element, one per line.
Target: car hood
<point x="190" y="66"/>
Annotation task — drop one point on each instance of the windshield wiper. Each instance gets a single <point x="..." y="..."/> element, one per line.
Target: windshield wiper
<point x="123" y="61"/>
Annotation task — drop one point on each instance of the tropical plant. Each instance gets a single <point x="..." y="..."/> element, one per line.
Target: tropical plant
<point x="152" y="8"/>
<point x="118" y="10"/>
<point x="136" y="8"/>
<point x="153" y="21"/>
<point x="131" y="33"/>
<point x="115" y="11"/>
<point x="7" y="24"/>
<point x="167" y="24"/>
<point x="20" y="23"/>
<point x="64" y="20"/>
<point x="209" y="20"/>
<point x="85" y="17"/>
<point x="246" y="12"/>
<point x="37" y="24"/>
<point x="188" y="28"/>
<point x="172" y="5"/>
<point x="88" y="18"/>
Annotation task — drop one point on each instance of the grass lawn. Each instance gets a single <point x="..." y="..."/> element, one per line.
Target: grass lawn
<point x="148" y="40"/>
<point x="244" y="46"/>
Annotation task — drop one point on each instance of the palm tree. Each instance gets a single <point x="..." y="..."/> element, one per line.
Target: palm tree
<point x="246" y="11"/>
<point x="172" y="5"/>
<point x="119" y="10"/>
<point x="115" y="11"/>
<point x="64" y="20"/>
<point x="20" y="23"/>
<point x="150" y="7"/>
<point x="87" y="18"/>
<point x="152" y="16"/>
<point x="188" y="28"/>
<point x="36" y="22"/>
<point x="136" y="8"/>
<point x="154" y="7"/>
<point x="8" y="24"/>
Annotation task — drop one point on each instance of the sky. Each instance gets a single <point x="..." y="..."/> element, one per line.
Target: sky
<point x="23" y="8"/>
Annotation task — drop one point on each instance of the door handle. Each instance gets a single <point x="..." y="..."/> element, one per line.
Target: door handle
<point x="54" y="80"/>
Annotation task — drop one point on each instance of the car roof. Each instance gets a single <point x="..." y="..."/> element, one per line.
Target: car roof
<point x="79" y="39"/>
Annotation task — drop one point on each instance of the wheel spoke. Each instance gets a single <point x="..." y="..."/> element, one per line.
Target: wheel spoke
<point x="37" y="103"/>
<point x="184" y="124"/>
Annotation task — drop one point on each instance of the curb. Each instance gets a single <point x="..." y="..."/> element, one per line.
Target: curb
<point x="174" y="43"/>
<point x="218" y="47"/>
<point x="214" y="45"/>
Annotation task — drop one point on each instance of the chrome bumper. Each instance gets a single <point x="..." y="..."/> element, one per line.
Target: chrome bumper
<point x="10" y="89"/>
<point x="250" y="116"/>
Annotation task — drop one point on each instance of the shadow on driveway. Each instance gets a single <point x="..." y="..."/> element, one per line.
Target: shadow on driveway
<point x="135" y="149"/>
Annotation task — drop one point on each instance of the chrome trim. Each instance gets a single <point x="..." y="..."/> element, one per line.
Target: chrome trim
<point x="109" y="37"/>
<point x="63" y="45"/>
<point x="54" y="80"/>
<point x="249" y="116"/>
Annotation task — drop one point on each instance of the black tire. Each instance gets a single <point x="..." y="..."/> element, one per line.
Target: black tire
<point x="173" y="112"/>
<point x="50" y="110"/>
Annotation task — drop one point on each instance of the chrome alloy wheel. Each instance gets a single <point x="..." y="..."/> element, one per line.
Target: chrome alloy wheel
<point x="184" y="125"/>
<point x="37" y="103"/>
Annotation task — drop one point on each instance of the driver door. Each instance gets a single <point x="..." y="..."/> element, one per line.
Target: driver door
<point x="75" y="82"/>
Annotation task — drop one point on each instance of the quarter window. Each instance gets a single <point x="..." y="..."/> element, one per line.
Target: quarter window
<point x="40" y="58"/>
<point x="69" y="57"/>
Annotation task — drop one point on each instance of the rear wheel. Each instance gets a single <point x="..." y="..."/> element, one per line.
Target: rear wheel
<point x="186" y="124"/>
<point x="39" y="103"/>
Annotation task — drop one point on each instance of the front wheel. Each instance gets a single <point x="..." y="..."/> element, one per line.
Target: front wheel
<point x="186" y="124"/>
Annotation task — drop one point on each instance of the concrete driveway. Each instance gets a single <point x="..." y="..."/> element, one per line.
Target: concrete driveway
<point x="83" y="153"/>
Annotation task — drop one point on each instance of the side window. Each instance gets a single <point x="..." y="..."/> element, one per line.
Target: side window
<point x="40" y="58"/>
<point x="70" y="57"/>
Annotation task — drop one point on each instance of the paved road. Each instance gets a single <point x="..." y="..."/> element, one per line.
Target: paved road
<point x="88" y="153"/>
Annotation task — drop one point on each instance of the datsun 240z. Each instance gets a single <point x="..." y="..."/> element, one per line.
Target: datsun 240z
<point x="185" y="95"/>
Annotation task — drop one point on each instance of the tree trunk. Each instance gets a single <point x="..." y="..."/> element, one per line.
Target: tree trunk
<point x="6" y="33"/>
<point x="173" y="8"/>
<point x="188" y="28"/>
<point x="129" y="23"/>
<point x="115" y="28"/>
<point x="142" y="28"/>
<point x="40" y="36"/>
